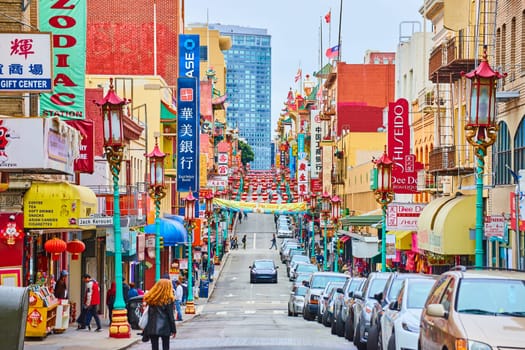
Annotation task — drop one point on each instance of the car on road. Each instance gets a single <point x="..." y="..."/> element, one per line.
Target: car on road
<point x="324" y="300"/>
<point x="263" y="270"/>
<point x="343" y="302"/>
<point x="364" y="304"/>
<point x="316" y="285"/>
<point x="302" y="267"/>
<point x="295" y="259"/>
<point x="296" y="302"/>
<point x="302" y="277"/>
<point x="400" y="321"/>
<point x="328" y="311"/>
<point x="478" y="309"/>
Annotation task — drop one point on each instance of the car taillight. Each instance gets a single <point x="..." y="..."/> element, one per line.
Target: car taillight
<point x="461" y="344"/>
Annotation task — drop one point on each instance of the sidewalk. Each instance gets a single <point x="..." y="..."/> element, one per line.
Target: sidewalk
<point x="73" y="339"/>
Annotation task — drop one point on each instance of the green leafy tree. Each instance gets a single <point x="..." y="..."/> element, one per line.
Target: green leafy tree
<point x="247" y="154"/>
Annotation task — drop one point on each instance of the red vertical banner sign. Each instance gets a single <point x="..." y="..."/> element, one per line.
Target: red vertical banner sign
<point x="404" y="170"/>
<point x="86" y="162"/>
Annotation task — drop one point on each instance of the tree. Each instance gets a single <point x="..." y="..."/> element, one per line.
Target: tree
<point x="246" y="152"/>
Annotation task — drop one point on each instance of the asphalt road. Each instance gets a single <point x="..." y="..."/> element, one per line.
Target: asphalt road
<point x="240" y="315"/>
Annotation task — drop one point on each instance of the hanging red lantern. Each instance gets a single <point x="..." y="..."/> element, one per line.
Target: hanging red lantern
<point x="75" y="247"/>
<point x="55" y="246"/>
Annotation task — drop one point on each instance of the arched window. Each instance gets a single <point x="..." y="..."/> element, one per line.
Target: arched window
<point x="519" y="147"/>
<point x="501" y="156"/>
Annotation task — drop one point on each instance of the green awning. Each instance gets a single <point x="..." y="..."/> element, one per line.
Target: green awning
<point x="323" y="73"/>
<point x="167" y="114"/>
<point x="361" y="220"/>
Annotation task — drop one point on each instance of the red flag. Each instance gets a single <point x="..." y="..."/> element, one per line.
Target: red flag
<point x="327" y="16"/>
<point x="299" y="75"/>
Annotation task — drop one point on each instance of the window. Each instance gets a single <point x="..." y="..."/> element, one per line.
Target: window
<point x="448" y="295"/>
<point x="203" y="52"/>
<point x="519" y="147"/>
<point x="502" y="156"/>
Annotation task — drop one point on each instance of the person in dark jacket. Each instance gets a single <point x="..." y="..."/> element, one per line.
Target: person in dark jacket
<point x="161" y="322"/>
<point x="61" y="286"/>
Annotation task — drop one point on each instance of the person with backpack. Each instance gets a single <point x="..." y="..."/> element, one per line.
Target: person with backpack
<point x="91" y="302"/>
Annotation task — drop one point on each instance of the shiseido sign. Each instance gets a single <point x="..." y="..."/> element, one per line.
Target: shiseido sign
<point x="404" y="170"/>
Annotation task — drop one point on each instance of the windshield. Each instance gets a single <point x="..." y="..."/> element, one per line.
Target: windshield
<point x="491" y="297"/>
<point x="418" y="293"/>
<point x="394" y="289"/>
<point x="306" y="268"/>
<point x="321" y="281"/>
<point x="301" y="291"/>
<point x="300" y="258"/>
<point x="355" y="285"/>
<point x="376" y="286"/>
<point x="263" y="264"/>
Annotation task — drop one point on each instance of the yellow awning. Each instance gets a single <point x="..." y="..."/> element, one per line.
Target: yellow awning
<point x="57" y="205"/>
<point x="445" y="223"/>
<point x="403" y="239"/>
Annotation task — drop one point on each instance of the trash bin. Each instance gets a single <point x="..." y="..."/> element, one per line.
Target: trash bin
<point x="14" y="303"/>
<point x="204" y="288"/>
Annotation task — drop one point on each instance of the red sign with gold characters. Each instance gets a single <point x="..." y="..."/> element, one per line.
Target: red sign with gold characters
<point x="405" y="168"/>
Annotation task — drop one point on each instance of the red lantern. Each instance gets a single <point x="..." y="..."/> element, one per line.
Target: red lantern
<point x="55" y="246"/>
<point x="75" y="247"/>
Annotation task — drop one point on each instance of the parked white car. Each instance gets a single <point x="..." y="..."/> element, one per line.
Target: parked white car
<point x="400" y="322"/>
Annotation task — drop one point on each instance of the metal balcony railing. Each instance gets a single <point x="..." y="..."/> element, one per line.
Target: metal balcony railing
<point x="451" y="160"/>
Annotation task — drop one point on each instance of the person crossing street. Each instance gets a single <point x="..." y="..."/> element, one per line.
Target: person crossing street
<point x="274" y="242"/>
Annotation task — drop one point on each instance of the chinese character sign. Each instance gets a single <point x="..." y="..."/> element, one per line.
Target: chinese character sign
<point x="25" y="62"/>
<point x="187" y="135"/>
<point x="315" y="148"/>
<point x="67" y="21"/>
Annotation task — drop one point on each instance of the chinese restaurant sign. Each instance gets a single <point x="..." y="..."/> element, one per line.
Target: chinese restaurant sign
<point x="67" y="21"/>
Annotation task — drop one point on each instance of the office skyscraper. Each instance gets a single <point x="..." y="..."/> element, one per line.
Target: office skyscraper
<point x="248" y="86"/>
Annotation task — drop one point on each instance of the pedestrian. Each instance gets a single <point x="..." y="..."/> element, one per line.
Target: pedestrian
<point x="133" y="292"/>
<point x="245" y="215"/>
<point x="235" y="242"/>
<point x="61" y="286"/>
<point x="91" y="302"/>
<point x="161" y="323"/>
<point x="244" y="242"/>
<point x="274" y="242"/>
<point x="110" y="298"/>
<point x="239" y="215"/>
<point x="125" y="290"/>
<point x="178" y="299"/>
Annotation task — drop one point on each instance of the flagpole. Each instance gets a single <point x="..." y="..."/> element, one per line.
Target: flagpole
<point x="330" y="29"/>
<point x="340" y="21"/>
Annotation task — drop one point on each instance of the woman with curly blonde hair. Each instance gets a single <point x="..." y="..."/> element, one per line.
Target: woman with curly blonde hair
<point x="161" y="322"/>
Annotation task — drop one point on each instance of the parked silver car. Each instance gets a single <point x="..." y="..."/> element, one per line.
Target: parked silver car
<point x="343" y="303"/>
<point x="316" y="285"/>
<point x="296" y="302"/>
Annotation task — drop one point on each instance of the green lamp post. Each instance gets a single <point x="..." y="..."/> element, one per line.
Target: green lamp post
<point x="157" y="191"/>
<point x="481" y="132"/>
<point x="189" y="219"/>
<point x="336" y="213"/>
<point x="112" y="110"/>
<point x="384" y="196"/>
<point x="313" y="204"/>
<point x="209" y="214"/>
<point x="325" y="210"/>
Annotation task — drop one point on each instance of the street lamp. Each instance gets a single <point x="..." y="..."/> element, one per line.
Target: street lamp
<point x="336" y="208"/>
<point x="313" y="203"/>
<point x="209" y="214"/>
<point x="189" y="218"/>
<point x="325" y="210"/>
<point x="481" y="131"/>
<point x="111" y="107"/>
<point x="384" y="195"/>
<point x="157" y="191"/>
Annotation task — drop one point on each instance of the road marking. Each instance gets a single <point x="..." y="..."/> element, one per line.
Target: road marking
<point x="250" y="311"/>
<point x="254" y="239"/>
<point x="221" y="313"/>
<point x="224" y="302"/>
<point x="279" y="312"/>
<point x="250" y="302"/>
<point x="276" y="302"/>
<point x="229" y="295"/>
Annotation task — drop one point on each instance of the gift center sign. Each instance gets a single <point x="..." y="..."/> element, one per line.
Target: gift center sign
<point x="404" y="170"/>
<point x="25" y="63"/>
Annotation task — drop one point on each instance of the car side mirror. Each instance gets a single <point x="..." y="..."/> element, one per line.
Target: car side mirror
<point x="306" y="284"/>
<point x="250" y="266"/>
<point x="436" y="310"/>
<point x="393" y="305"/>
<point x="351" y="294"/>
<point x="276" y="266"/>
<point x="358" y="295"/>
<point x="339" y="290"/>
<point x="378" y="297"/>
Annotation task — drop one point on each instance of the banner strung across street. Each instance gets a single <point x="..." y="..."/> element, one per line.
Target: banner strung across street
<point x="261" y="208"/>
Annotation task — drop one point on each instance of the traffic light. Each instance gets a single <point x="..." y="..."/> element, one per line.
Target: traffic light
<point x="161" y="242"/>
<point x="340" y="246"/>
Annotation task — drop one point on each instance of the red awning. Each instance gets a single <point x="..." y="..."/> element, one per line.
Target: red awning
<point x="344" y="238"/>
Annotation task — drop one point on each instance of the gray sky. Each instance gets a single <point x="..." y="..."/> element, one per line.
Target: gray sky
<point x="295" y="29"/>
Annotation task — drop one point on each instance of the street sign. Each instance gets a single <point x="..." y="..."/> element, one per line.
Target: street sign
<point x="96" y="221"/>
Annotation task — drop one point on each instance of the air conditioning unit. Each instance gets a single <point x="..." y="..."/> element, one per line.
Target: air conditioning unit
<point x="446" y="185"/>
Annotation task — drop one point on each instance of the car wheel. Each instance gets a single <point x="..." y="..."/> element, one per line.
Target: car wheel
<point x="392" y="342"/>
<point x="306" y="314"/>
<point x="349" y="328"/>
<point x="371" y="341"/>
<point x="339" y="326"/>
<point x="333" y="327"/>
<point x="319" y="318"/>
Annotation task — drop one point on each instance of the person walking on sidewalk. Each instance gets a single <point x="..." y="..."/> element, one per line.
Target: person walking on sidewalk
<point x="274" y="242"/>
<point x="244" y="242"/>
<point x="161" y="323"/>
<point x="91" y="302"/>
<point x="178" y="299"/>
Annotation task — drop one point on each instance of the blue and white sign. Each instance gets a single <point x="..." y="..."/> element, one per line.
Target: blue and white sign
<point x="25" y="62"/>
<point x="187" y="136"/>
<point x="189" y="56"/>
